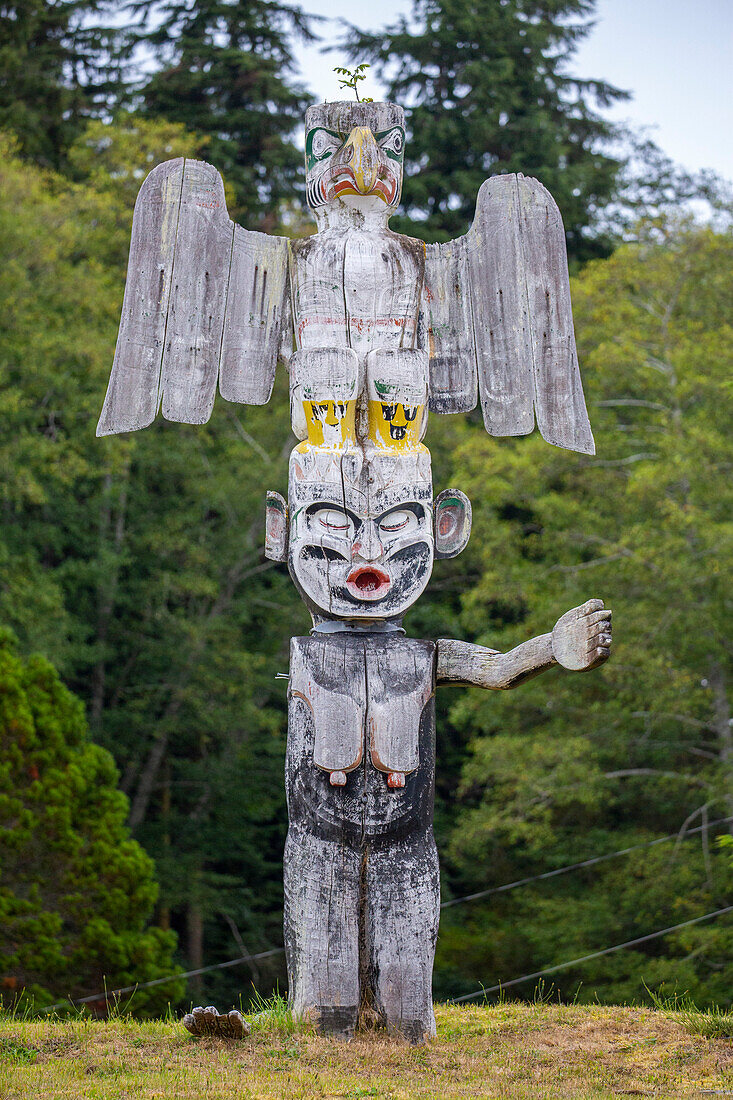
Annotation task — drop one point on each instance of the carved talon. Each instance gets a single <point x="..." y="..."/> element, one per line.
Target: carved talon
<point x="396" y="779"/>
<point x="208" y="1022"/>
<point x="338" y="779"/>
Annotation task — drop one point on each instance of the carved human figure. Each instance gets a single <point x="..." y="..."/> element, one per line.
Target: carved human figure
<point x="384" y="328"/>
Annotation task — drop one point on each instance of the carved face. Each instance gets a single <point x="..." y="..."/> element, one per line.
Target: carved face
<point x="354" y="149"/>
<point x="360" y="551"/>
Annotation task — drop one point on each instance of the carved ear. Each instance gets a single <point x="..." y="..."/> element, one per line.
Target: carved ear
<point x="452" y="519"/>
<point x="276" y="527"/>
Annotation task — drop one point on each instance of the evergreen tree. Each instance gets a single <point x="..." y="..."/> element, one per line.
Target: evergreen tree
<point x="76" y="890"/>
<point x="137" y="563"/>
<point x="226" y="73"/>
<point x="487" y="90"/>
<point x="59" y="66"/>
<point x="568" y="767"/>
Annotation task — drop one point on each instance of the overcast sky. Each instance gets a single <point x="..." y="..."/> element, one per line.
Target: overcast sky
<point x="675" y="56"/>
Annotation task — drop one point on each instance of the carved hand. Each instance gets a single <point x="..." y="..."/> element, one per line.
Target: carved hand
<point x="581" y="639"/>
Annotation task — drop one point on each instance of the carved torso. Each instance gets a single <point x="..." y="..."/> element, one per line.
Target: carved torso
<point x="357" y="289"/>
<point x="363" y="705"/>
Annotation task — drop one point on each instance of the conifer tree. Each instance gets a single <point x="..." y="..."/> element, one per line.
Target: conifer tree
<point x="226" y="74"/>
<point x="59" y="67"/>
<point x="76" y="889"/>
<point x="487" y="90"/>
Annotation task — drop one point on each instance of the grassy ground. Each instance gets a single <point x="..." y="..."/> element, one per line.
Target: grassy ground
<point x="512" y="1051"/>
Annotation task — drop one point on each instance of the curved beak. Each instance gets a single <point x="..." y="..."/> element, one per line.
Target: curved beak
<point x="362" y="154"/>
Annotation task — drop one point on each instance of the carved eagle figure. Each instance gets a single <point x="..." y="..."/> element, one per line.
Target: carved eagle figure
<point x="209" y="302"/>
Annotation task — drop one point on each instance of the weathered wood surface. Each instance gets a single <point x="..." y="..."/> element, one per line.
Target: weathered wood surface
<point x="522" y="315"/>
<point x="276" y="527"/>
<point x="580" y="640"/>
<point x="133" y="393"/>
<point x="208" y="1021"/>
<point x="324" y="385"/>
<point x="343" y="115"/>
<point x="201" y="300"/>
<point x="257" y="324"/>
<point x="361" y="871"/>
<point x="452" y="518"/>
<point x="198" y="297"/>
<point x="206" y="300"/>
<point x="466" y="663"/>
<point x="498" y="309"/>
<point x="453" y="366"/>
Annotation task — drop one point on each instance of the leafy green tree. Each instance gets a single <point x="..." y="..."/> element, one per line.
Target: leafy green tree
<point x="227" y="73"/>
<point x="136" y="563"/>
<point x="487" y="90"/>
<point x="76" y="891"/>
<point x="570" y="766"/>
<point x="59" y="66"/>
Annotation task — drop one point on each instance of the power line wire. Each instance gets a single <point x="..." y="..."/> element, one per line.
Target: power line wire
<point x="593" y="955"/>
<point x="582" y="863"/>
<point x="444" y="905"/>
<point x="159" y="981"/>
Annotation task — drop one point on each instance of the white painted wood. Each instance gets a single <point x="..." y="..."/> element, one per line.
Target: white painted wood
<point x="497" y="302"/>
<point x="133" y="393"/>
<point x="324" y="375"/>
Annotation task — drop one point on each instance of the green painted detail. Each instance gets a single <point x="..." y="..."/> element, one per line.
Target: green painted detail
<point x="310" y="159"/>
<point x="385" y="134"/>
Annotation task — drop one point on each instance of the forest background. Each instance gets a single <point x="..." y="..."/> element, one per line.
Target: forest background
<point x="134" y="566"/>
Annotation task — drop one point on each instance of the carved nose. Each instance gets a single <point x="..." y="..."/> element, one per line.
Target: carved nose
<point x="362" y="152"/>
<point x="367" y="545"/>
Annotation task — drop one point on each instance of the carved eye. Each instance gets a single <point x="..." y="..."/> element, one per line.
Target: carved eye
<point x="394" y="142"/>
<point x="323" y="144"/>
<point x="398" y="521"/>
<point x="335" y="521"/>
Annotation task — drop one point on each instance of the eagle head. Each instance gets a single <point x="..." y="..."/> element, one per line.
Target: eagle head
<point x="354" y="149"/>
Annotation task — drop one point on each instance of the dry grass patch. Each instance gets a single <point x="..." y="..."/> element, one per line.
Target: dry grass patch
<point x="511" y="1051"/>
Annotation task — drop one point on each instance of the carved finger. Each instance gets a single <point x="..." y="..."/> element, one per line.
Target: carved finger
<point x="189" y="1022"/>
<point x="590" y="606"/>
<point x="210" y="1017"/>
<point x="601" y="654"/>
<point x="600" y="616"/>
<point x="600" y="639"/>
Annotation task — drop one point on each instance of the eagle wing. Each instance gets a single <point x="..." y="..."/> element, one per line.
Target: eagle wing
<point x="204" y="300"/>
<point x="500" y="324"/>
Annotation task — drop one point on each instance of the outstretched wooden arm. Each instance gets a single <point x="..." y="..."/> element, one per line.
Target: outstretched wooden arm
<point x="581" y="640"/>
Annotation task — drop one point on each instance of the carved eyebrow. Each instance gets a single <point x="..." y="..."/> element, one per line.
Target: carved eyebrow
<point x="338" y="506"/>
<point x="417" y="509"/>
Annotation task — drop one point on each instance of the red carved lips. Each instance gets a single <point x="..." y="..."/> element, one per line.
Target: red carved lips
<point x="367" y="582"/>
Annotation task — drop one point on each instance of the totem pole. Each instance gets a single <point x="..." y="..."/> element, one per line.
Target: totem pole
<point x="385" y="329"/>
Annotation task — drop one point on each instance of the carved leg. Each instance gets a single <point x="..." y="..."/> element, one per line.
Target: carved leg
<point x="401" y="929"/>
<point x="322" y="930"/>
